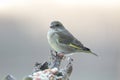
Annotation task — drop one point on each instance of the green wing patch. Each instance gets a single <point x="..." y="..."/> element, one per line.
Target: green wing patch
<point x="74" y="46"/>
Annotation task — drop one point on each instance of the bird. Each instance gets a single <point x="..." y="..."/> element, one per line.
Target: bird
<point x="62" y="41"/>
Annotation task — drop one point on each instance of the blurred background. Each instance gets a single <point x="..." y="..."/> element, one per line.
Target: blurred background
<point x="24" y="25"/>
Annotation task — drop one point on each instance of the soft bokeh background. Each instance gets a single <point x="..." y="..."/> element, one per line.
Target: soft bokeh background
<point x="24" y="25"/>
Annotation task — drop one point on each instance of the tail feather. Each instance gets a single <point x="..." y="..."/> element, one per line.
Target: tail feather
<point x="94" y="54"/>
<point x="89" y="51"/>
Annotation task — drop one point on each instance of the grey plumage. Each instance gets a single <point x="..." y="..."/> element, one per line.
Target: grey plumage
<point x="61" y="40"/>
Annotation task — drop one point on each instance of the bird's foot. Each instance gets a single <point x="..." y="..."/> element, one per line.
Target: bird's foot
<point x="61" y="55"/>
<point x="57" y="54"/>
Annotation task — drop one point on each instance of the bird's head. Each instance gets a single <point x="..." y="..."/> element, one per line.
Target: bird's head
<point x="56" y="25"/>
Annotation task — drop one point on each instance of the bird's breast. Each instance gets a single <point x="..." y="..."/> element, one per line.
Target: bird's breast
<point x="52" y="39"/>
<point x="51" y="35"/>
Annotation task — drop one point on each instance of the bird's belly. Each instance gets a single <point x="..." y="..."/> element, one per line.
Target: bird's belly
<point x="52" y="41"/>
<point x="60" y="47"/>
<point x="55" y="45"/>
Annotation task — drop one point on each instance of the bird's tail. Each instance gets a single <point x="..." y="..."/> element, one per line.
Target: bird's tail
<point x="87" y="50"/>
<point x="94" y="53"/>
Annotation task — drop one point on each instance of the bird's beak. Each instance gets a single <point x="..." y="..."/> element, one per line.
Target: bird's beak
<point x="51" y="26"/>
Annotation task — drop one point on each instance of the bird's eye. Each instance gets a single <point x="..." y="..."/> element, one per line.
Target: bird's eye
<point x="57" y="25"/>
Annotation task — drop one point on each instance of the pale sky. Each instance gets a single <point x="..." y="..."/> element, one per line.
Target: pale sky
<point x="24" y="25"/>
<point x="8" y="3"/>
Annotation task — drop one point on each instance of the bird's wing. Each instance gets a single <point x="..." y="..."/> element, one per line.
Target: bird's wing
<point x="69" y="39"/>
<point x="64" y="38"/>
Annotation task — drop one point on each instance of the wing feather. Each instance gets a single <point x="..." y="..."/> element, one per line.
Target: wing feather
<point x="67" y="38"/>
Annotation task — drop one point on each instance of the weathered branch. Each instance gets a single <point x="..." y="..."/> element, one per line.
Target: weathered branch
<point x="51" y="70"/>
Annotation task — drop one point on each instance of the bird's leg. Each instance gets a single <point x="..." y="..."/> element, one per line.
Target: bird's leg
<point x="60" y="55"/>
